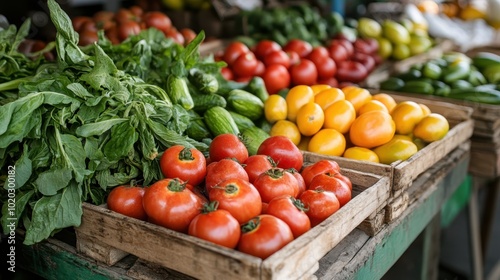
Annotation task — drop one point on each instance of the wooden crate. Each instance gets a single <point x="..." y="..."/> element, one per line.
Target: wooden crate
<point x="485" y="146"/>
<point x="107" y="236"/>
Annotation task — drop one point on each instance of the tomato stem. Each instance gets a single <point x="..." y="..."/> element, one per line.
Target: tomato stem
<point x="275" y="172"/>
<point x="250" y="225"/>
<point x="186" y="154"/>
<point x="231" y="188"/>
<point x="210" y="207"/>
<point x="299" y="204"/>
<point x="175" y="185"/>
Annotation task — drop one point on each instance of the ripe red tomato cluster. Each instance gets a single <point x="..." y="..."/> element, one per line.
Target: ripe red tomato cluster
<point x="299" y="63"/>
<point x="256" y="204"/>
<point x="125" y="22"/>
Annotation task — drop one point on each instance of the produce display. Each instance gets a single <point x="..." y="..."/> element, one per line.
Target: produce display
<point x="352" y="123"/>
<point x="341" y="62"/>
<point x="126" y="22"/>
<point x="253" y="203"/>
<point x="396" y="39"/>
<point x="454" y="75"/>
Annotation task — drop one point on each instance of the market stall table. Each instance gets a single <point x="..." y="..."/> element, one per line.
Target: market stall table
<point x="357" y="256"/>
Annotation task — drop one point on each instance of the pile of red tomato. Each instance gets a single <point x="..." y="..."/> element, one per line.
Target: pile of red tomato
<point x="338" y="64"/>
<point x="126" y="22"/>
<point x="256" y="204"/>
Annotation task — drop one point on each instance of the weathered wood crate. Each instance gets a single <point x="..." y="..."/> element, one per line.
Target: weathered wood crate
<point x="107" y="236"/>
<point x="485" y="146"/>
<point x="403" y="173"/>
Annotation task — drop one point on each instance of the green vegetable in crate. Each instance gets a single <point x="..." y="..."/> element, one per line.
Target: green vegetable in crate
<point x="485" y="59"/>
<point x="203" y="102"/>
<point x="492" y="73"/>
<point x="410" y="75"/>
<point x="423" y="87"/>
<point x="431" y="70"/>
<point x="476" y="78"/>
<point x="257" y="86"/>
<point x="241" y="121"/>
<point x="246" y="104"/>
<point x="204" y="82"/>
<point x="481" y="94"/>
<point x="457" y="70"/>
<point x="220" y="121"/>
<point x="460" y="84"/>
<point x="178" y="92"/>
<point x="392" y="84"/>
<point x="253" y="137"/>
<point x="197" y="128"/>
<point x="440" y="88"/>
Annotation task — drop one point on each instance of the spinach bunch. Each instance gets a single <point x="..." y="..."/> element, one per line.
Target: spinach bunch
<point x="79" y="127"/>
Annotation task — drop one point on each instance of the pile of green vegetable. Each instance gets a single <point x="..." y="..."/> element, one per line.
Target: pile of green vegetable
<point x="281" y="24"/>
<point x="454" y="75"/>
<point x="96" y="118"/>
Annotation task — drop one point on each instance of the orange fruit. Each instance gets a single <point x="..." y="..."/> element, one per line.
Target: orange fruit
<point x="275" y="108"/>
<point x="406" y="115"/>
<point x="297" y="97"/>
<point x="431" y="128"/>
<point x="372" y="129"/>
<point x="360" y="153"/>
<point x="386" y="99"/>
<point x="372" y="105"/>
<point x="286" y="128"/>
<point x="340" y="116"/>
<point x="310" y="119"/>
<point x="357" y="96"/>
<point x="318" y="88"/>
<point x="329" y="96"/>
<point x="327" y="142"/>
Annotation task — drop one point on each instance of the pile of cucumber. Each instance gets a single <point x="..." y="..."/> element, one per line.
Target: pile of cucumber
<point x="454" y="75"/>
<point x="218" y="106"/>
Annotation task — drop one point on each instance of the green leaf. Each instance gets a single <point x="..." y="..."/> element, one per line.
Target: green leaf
<point x="13" y="215"/>
<point x="98" y="128"/>
<point x="23" y="169"/>
<point x="62" y="22"/>
<point x="79" y="90"/>
<point x="39" y="153"/>
<point x="51" y="181"/>
<point x="123" y="138"/>
<point x="102" y="73"/>
<point x="55" y="212"/>
<point x="21" y="35"/>
<point x="70" y="154"/>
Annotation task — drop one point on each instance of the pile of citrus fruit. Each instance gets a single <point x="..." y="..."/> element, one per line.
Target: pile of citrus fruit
<point x="352" y="123"/>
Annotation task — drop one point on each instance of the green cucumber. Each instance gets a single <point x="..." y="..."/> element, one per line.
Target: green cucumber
<point x="476" y="78"/>
<point x="178" y="91"/>
<point x="440" y="88"/>
<point x="197" y="128"/>
<point x="253" y="138"/>
<point x="457" y="71"/>
<point x="257" y="86"/>
<point x="203" y="102"/>
<point x="241" y="121"/>
<point x="219" y="121"/>
<point x="431" y="71"/>
<point x="246" y="104"/>
<point x="418" y="87"/>
<point x="485" y="59"/>
<point x="392" y="83"/>
<point x="204" y="82"/>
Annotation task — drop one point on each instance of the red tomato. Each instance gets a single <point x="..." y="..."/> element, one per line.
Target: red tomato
<point x="319" y="167"/>
<point x="187" y="164"/>
<point x="136" y="10"/>
<point x="256" y="165"/>
<point x="128" y="28"/>
<point x="321" y="205"/>
<point x="326" y="68"/>
<point x="174" y="35"/>
<point x="264" y="207"/>
<point x="276" y="78"/>
<point x="157" y="20"/>
<point x="239" y="197"/>
<point x="228" y="145"/>
<point x="263" y="47"/>
<point x="338" y="53"/>
<point x="292" y="212"/>
<point x="170" y="204"/>
<point x="216" y="225"/>
<point x="346" y="44"/>
<point x="264" y="235"/>
<point x="219" y="171"/>
<point x="304" y="73"/>
<point x="318" y="53"/>
<point x="78" y="21"/>
<point x="227" y="73"/>
<point x="261" y="68"/>
<point x="124" y="15"/>
<point x="301" y="47"/>
<point x="233" y="51"/>
<point x="328" y="182"/>
<point x="367" y="60"/>
<point x="277" y="57"/>
<point x="366" y="45"/>
<point x="276" y="182"/>
<point x="351" y="71"/>
<point x="294" y="57"/>
<point x="329" y="81"/>
<point x="245" y="79"/>
<point x="345" y="179"/>
<point x="188" y="35"/>
<point x="283" y="151"/>
<point x="127" y="200"/>
<point x="300" y="180"/>
<point x="87" y="37"/>
<point x="245" y="65"/>
<point x="88" y="26"/>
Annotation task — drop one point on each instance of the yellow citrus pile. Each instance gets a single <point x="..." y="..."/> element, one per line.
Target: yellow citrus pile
<point x="352" y="123"/>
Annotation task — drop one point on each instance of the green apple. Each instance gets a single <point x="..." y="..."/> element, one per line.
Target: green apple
<point x="401" y="51"/>
<point x="368" y="27"/>
<point x="419" y="44"/>
<point x="395" y="32"/>
<point x="384" y="47"/>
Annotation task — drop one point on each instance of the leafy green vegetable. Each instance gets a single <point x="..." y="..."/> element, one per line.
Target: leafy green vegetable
<point x="92" y="120"/>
